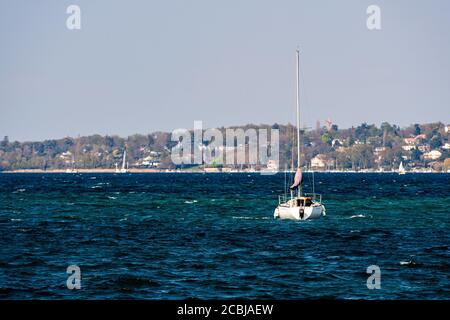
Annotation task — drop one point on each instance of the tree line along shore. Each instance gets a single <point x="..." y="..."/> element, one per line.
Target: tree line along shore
<point x="367" y="147"/>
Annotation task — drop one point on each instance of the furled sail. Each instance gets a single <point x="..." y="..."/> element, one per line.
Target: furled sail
<point x="297" y="179"/>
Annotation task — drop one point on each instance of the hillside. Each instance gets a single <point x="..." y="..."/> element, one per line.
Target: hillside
<point x="358" y="148"/>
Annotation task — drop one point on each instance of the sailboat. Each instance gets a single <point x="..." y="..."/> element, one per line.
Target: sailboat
<point x="299" y="206"/>
<point x="73" y="169"/>
<point x="401" y="169"/>
<point x="124" y="168"/>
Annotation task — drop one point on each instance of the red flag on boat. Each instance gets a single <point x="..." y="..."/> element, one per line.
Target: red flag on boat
<point x="297" y="179"/>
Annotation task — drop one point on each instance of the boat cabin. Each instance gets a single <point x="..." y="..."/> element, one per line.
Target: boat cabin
<point x="303" y="202"/>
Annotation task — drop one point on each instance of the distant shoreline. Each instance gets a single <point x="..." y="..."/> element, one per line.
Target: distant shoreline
<point x="52" y="171"/>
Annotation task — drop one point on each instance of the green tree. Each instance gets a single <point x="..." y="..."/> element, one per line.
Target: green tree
<point x="415" y="154"/>
<point x="326" y="138"/>
<point x="417" y="130"/>
<point x="436" y="141"/>
<point x="4" y="143"/>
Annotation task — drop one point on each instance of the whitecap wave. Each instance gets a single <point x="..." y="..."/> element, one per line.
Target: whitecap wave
<point x="357" y="216"/>
<point x="251" y="218"/>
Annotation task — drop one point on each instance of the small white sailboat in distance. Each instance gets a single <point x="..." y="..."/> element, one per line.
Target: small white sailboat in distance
<point x="300" y="206"/>
<point x="124" y="168"/>
<point x="401" y="169"/>
<point x="73" y="169"/>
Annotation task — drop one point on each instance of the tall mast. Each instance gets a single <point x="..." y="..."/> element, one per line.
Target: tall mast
<point x="124" y="157"/>
<point x="298" y="107"/>
<point x="77" y="151"/>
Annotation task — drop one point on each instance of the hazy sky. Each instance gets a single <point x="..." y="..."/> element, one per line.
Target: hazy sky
<point x="142" y="66"/>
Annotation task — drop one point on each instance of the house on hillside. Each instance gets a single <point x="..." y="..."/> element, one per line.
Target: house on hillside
<point x="424" y="148"/>
<point x="446" y="146"/>
<point x="337" y="143"/>
<point x="408" y="147"/>
<point x="414" y="140"/>
<point x="321" y="161"/>
<point x="66" y="157"/>
<point x="447" y="128"/>
<point x="432" y="155"/>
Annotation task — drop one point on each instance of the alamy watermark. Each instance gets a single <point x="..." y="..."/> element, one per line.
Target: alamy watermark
<point x="373" y="21"/>
<point x="374" y="280"/>
<point x="214" y="147"/>
<point x="73" y="21"/>
<point x="74" y="279"/>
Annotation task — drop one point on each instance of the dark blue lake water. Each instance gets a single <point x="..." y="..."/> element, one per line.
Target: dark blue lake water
<point x="173" y="236"/>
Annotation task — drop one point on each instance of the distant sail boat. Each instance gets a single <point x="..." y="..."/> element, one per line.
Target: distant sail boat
<point x="299" y="207"/>
<point x="401" y="169"/>
<point x="73" y="168"/>
<point x="124" y="168"/>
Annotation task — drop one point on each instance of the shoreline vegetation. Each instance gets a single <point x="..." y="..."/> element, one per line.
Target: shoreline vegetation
<point x="365" y="148"/>
<point x="90" y="171"/>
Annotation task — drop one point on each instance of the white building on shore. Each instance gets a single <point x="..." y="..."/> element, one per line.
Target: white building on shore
<point x="321" y="161"/>
<point x="432" y="155"/>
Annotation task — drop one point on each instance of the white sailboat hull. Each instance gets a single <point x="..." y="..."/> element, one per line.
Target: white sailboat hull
<point x="401" y="169"/>
<point x="301" y="207"/>
<point x="299" y="213"/>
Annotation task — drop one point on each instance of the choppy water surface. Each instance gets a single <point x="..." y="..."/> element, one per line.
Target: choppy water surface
<point x="172" y="236"/>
